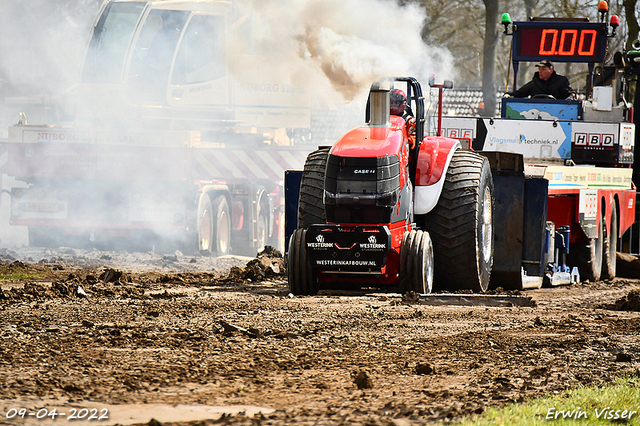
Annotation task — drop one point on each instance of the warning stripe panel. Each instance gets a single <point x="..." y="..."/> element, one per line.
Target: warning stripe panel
<point x="83" y="161"/>
<point x="222" y="164"/>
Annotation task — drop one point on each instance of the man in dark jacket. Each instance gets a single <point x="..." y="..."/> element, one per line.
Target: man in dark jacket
<point x="546" y="82"/>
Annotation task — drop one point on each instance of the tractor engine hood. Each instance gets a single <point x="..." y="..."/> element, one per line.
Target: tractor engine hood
<point x="372" y="141"/>
<point x="364" y="177"/>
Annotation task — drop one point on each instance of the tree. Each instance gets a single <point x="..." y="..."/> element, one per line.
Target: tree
<point x="489" y="56"/>
<point x="632" y="22"/>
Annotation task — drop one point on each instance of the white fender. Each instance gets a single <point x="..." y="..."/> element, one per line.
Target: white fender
<point x="425" y="197"/>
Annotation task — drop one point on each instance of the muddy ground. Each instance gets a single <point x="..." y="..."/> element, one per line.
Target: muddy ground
<point x="139" y="334"/>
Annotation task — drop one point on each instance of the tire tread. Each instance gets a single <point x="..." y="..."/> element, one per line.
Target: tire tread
<point x="453" y="224"/>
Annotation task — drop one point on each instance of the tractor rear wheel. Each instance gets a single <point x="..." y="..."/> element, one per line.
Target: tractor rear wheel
<point x="300" y="274"/>
<point x="416" y="265"/>
<point x="610" y="246"/>
<point x="461" y="225"/>
<point x="311" y="206"/>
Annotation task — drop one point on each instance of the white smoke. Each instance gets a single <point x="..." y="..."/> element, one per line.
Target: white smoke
<point x="42" y="43"/>
<point x="351" y="42"/>
<point x="285" y="55"/>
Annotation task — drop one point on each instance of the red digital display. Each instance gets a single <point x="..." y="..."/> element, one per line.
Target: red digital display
<point x="560" y="41"/>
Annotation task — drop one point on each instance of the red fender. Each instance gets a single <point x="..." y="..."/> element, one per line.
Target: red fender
<point x="627" y="207"/>
<point x="433" y="160"/>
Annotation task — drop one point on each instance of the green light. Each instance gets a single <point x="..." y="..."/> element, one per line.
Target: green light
<point x="506" y="19"/>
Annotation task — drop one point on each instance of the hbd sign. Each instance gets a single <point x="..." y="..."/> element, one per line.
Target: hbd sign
<point x="605" y="140"/>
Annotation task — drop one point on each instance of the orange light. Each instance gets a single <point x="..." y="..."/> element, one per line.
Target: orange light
<point x="603" y="6"/>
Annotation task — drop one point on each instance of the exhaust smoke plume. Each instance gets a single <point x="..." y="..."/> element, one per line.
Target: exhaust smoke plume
<point x="351" y="42"/>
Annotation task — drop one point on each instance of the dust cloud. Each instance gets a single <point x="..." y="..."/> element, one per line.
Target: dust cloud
<point x="42" y="43"/>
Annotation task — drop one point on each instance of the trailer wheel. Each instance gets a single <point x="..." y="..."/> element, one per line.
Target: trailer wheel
<point x="261" y="237"/>
<point x="587" y="256"/>
<point x="311" y="206"/>
<point x="222" y="230"/>
<point x="416" y="264"/>
<point x="300" y="274"/>
<point x="205" y="225"/>
<point x="461" y="225"/>
<point x="610" y="245"/>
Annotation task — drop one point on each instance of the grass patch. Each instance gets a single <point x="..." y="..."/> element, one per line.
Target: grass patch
<point x="618" y="403"/>
<point x="18" y="271"/>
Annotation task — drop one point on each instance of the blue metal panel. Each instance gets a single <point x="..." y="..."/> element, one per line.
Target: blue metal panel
<point x="292" y="179"/>
<point x="541" y="109"/>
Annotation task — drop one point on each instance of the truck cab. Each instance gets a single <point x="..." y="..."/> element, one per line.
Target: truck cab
<point x="168" y="65"/>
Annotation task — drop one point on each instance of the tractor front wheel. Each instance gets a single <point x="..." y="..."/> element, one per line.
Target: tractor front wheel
<point x="300" y="274"/>
<point x="416" y="262"/>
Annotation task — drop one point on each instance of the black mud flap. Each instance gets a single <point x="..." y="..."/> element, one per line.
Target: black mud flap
<point x="519" y="223"/>
<point x="354" y="248"/>
<point x="292" y="179"/>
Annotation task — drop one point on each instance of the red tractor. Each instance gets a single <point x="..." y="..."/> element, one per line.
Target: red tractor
<point x="382" y="209"/>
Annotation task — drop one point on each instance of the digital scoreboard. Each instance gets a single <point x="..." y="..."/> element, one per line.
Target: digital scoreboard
<point x="559" y="41"/>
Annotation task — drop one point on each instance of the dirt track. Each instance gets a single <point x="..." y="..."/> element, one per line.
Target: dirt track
<point x="214" y="338"/>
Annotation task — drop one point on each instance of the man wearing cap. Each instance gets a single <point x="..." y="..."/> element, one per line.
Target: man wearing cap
<point x="546" y="82"/>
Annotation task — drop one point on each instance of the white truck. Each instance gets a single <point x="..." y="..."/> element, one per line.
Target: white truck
<point x="166" y="140"/>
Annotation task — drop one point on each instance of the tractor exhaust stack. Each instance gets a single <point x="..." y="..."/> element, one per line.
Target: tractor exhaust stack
<point x="379" y="104"/>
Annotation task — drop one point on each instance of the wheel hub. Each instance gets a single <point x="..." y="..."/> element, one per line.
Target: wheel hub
<point x="487" y="225"/>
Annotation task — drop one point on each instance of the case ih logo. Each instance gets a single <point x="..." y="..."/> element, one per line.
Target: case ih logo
<point x="363" y="171"/>
<point x="589" y="140"/>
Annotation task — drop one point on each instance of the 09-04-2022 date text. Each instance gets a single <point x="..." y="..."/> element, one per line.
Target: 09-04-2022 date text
<point x="69" y="413"/>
